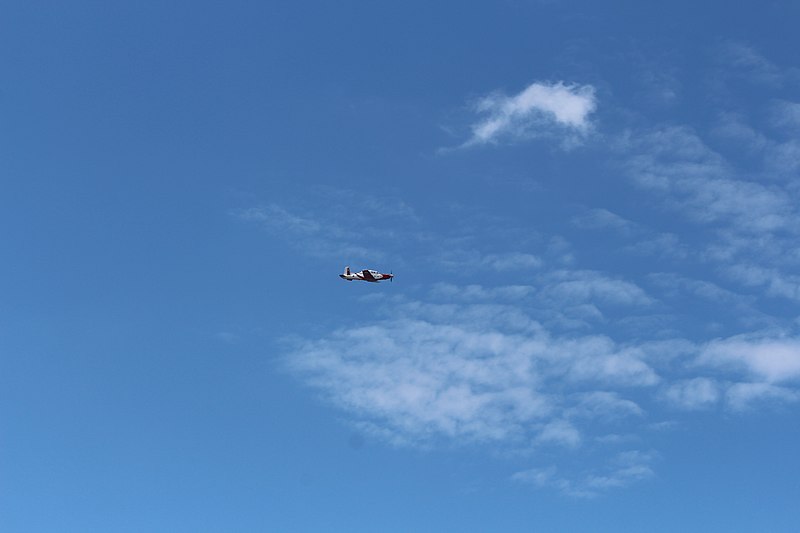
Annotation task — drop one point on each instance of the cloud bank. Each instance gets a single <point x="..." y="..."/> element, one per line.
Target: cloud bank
<point x="465" y="373"/>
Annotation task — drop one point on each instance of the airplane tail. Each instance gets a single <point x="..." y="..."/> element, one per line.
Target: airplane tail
<point x="347" y="271"/>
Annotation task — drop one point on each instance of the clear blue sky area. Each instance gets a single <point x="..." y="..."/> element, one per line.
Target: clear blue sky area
<point x="590" y="209"/>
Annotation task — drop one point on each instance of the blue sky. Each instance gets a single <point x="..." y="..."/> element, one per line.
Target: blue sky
<point x="591" y="212"/>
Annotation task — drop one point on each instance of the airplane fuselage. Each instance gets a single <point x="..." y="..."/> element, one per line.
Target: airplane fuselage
<point x="373" y="276"/>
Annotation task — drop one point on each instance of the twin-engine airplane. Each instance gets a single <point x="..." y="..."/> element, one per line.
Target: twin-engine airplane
<point x="365" y="275"/>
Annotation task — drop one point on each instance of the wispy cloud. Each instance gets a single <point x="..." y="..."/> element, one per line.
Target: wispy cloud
<point x="560" y="298"/>
<point x="511" y="261"/>
<point x="774" y="282"/>
<point x="745" y="61"/>
<point x="456" y="255"/>
<point x="560" y="433"/>
<point x="624" y="469"/>
<point x="335" y="223"/>
<point x="680" y="286"/>
<point x="314" y="237"/>
<point x="586" y="286"/>
<point x="642" y="241"/>
<point x="604" y="406"/>
<point x="675" y="162"/>
<point x="469" y="371"/>
<point x="748" y="396"/>
<point x="766" y="358"/>
<point x="277" y="218"/>
<point x="603" y="219"/>
<point x="474" y="292"/>
<point x="785" y="114"/>
<point x="777" y="151"/>
<point x="692" y="394"/>
<point x="750" y="221"/>
<point x="681" y="290"/>
<point x="541" y="109"/>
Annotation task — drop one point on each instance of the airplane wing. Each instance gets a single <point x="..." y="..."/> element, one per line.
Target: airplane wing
<point x="368" y="275"/>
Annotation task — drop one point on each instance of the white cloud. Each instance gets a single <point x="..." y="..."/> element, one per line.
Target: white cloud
<point x="533" y="112"/>
<point x="584" y="286"/>
<point x="770" y="359"/>
<point x="746" y="223"/>
<point x="512" y="261"/>
<point x="628" y="467"/>
<point x="732" y="127"/>
<point x="779" y="157"/>
<point x="740" y="307"/>
<point x="693" y="394"/>
<point x="773" y="281"/>
<point x="358" y="207"/>
<point x="661" y="86"/>
<point x="753" y="66"/>
<point x="660" y="245"/>
<point x="746" y="396"/>
<point x="470" y="373"/>
<point x="478" y="292"/>
<point x="335" y="223"/>
<point x="782" y="159"/>
<point x="604" y="406"/>
<point x="643" y="240"/>
<point x="624" y="469"/>
<point x="467" y="372"/>
<point x="559" y="432"/>
<point x="539" y="477"/>
<point x="786" y="115"/>
<point x="700" y="288"/>
<point x="693" y="178"/>
<point x="277" y="218"/>
<point x="603" y="219"/>
<point x="455" y="256"/>
<point x="313" y="236"/>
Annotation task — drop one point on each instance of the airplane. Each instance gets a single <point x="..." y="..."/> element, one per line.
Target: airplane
<point x="365" y="275"/>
